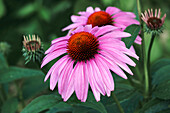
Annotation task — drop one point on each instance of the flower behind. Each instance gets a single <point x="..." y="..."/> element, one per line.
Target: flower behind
<point x="91" y="52"/>
<point x="111" y="16"/>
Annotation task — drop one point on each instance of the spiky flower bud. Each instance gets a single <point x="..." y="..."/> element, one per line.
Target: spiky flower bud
<point x="32" y="48"/>
<point x="154" y="22"/>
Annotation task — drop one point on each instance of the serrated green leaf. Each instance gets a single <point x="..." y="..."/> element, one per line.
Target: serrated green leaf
<point x="14" y="73"/>
<point x="134" y="31"/>
<point x="42" y="103"/>
<point x="10" y="106"/>
<point x="162" y="91"/>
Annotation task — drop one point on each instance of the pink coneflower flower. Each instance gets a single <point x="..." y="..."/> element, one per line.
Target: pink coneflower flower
<point x="153" y="22"/>
<point x="91" y="52"/>
<point x="111" y="16"/>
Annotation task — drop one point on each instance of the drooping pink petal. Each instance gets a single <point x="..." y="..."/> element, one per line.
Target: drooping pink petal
<point x="79" y="80"/>
<point x="52" y="56"/>
<point x="54" y="74"/>
<point x="115" y="34"/>
<point x="104" y="69"/>
<point x="98" y="78"/>
<point x="105" y="29"/>
<point x="112" y="65"/>
<point x="86" y="84"/>
<point x="62" y="82"/>
<point x="119" y="55"/>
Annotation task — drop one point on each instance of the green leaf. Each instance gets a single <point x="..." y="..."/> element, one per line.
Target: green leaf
<point x="154" y="106"/>
<point x="129" y="104"/>
<point x="3" y="63"/>
<point x="134" y="31"/>
<point x="2" y="8"/>
<point x="93" y="104"/>
<point x="45" y="14"/>
<point x="60" y="107"/>
<point x="161" y="75"/>
<point x="14" y="73"/>
<point x="42" y="103"/>
<point x="26" y="10"/>
<point x="33" y="86"/>
<point x="159" y="64"/>
<point x="10" y="106"/>
<point x="162" y="91"/>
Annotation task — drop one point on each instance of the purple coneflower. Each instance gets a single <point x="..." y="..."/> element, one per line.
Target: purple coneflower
<point x="111" y="16"/>
<point x="90" y="55"/>
<point x="153" y="21"/>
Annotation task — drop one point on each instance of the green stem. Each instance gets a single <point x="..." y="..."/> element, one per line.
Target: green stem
<point x="2" y="95"/>
<point x="20" y="94"/>
<point x="117" y="103"/>
<point x="149" y="55"/>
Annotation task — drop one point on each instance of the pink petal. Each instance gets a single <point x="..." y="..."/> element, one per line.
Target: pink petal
<point x="97" y="9"/>
<point x="70" y="86"/>
<point x="115" y="34"/>
<point x="81" y="19"/>
<point x="138" y="40"/>
<point x="119" y="55"/>
<point x="92" y="82"/>
<point x="105" y="29"/>
<point x="106" y="75"/>
<point x="55" y="75"/>
<point x="112" y="10"/>
<point x="62" y="82"/>
<point x="72" y="26"/>
<point x="90" y="9"/>
<point x="57" y="46"/>
<point x="94" y="29"/>
<point x="112" y="65"/>
<point x="85" y="93"/>
<point x="79" y="81"/>
<point x="60" y="39"/>
<point x="126" y="21"/>
<point x="124" y="14"/>
<point x="52" y="56"/>
<point x="88" y="28"/>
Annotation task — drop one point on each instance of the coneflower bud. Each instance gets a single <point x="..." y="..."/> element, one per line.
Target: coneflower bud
<point x="4" y="48"/>
<point x="154" y="22"/>
<point x="32" y="48"/>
